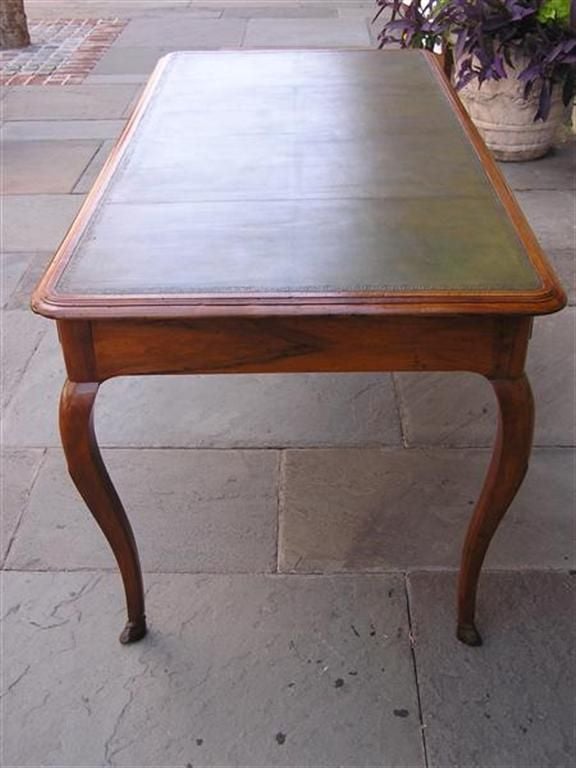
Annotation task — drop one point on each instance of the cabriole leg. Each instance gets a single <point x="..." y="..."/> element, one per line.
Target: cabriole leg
<point x="505" y="474"/>
<point x="91" y="478"/>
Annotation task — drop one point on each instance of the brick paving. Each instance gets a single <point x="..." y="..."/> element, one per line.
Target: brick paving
<point x="63" y="51"/>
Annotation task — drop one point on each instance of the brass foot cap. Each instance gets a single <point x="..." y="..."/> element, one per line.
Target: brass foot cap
<point x="133" y="631"/>
<point x="468" y="634"/>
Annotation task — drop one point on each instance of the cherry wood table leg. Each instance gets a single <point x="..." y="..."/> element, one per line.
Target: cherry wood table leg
<point x="505" y="475"/>
<point x="91" y="478"/>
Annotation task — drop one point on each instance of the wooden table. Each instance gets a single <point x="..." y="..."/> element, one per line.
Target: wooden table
<point x="298" y="211"/>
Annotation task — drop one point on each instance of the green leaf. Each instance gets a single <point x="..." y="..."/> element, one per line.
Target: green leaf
<point x="555" y="11"/>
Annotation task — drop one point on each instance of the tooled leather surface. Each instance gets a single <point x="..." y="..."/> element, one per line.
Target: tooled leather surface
<point x="294" y="172"/>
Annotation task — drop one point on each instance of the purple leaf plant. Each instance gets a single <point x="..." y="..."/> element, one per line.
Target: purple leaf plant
<point x="488" y="38"/>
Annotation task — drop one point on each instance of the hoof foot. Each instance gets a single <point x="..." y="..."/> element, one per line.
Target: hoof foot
<point x="468" y="634"/>
<point x="133" y="631"/>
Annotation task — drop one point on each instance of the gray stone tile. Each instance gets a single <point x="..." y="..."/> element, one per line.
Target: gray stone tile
<point x="362" y="9"/>
<point x="374" y="29"/>
<point x="182" y="32"/>
<point x="375" y="25"/>
<point x="564" y="263"/>
<point x="131" y="107"/>
<point x="12" y="268"/>
<point x="230" y="664"/>
<point x="32" y="418"/>
<point x="307" y="33"/>
<point x="39" y="130"/>
<point x="370" y="509"/>
<point x="511" y="702"/>
<point x="116" y="79"/>
<point x="556" y="171"/>
<point x="21" y="293"/>
<point x="18" y="470"/>
<point x="51" y="215"/>
<point x="130" y="61"/>
<point x="252" y="411"/>
<point x="211" y="411"/>
<point x="210" y="10"/>
<point x="552" y="369"/>
<point x="44" y="167"/>
<point x="192" y="512"/>
<point x="271" y="11"/>
<point x="86" y="181"/>
<point x="74" y="102"/>
<point x="552" y="216"/>
<point x="21" y="334"/>
<point x="459" y="409"/>
<point x="446" y="409"/>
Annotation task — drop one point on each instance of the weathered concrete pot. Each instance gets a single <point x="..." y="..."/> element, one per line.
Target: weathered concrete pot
<point x="505" y="119"/>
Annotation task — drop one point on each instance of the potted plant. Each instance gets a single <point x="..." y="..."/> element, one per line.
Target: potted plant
<point x="514" y="62"/>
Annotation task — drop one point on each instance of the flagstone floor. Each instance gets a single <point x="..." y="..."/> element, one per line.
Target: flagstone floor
<point x="299" y="535"/>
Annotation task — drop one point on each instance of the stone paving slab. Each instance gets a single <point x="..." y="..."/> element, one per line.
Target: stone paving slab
<point x="309" y="10"/>
<point x="460" y="410"/>
<point x="370" y="509"/>
<point x="455" y="410"/>
<point x="551" y="215"/>
<point x="218" y="411"/>
<point x="511" y="702"/>
<point x="74" y="102"/>
<point x="545" y="189"/>
<point x="556" y="171"/>
<point x="19" y="469"/>
<point x="51" y="215"/>
<point x="564" y="263"/>
<point x="132" y="105"/>
<point x="307" y="33"/>
<point x="192" y="512"/>
<point x="257" y="671"/>
<point x="182" y="31"/>
<point x="13" y="266"/>
<point x="117" y="79"/>
<point x="31" y="268"/>
<point x="38" y="130"/>
<point x="88" y="178"/>
<point x="32" y="419"/>
<point x="364" y="10"/>
<point x="129" y="61"/>
<point x="21" y="334"/>
<point x="44" y="167"/>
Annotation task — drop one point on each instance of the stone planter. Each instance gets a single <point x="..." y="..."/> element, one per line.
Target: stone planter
<point x="505" y="119"/>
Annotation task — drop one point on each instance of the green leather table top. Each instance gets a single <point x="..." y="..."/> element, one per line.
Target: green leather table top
<point x="294" y="172"/>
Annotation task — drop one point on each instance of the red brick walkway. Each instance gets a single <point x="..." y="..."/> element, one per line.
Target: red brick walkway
<point x="63" y="52"/>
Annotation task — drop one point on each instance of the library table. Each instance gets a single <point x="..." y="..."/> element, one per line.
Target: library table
<point x="298" y="211"/>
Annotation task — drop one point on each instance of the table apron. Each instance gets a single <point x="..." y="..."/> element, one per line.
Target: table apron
<point x="96" y="350"/>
